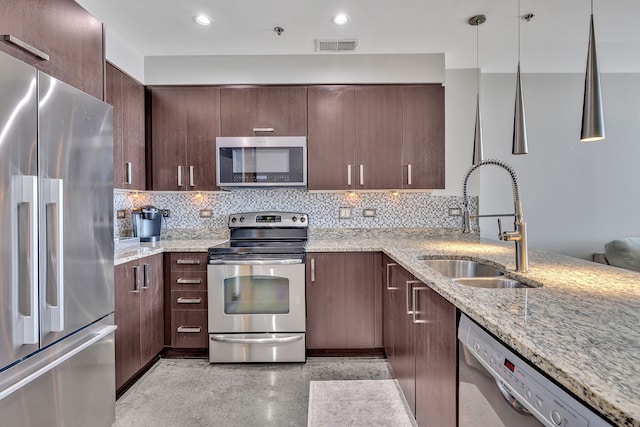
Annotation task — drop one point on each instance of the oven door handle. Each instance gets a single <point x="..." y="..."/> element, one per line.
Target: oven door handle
<point x="225" y="339"/>
<point x="256" y="262"/>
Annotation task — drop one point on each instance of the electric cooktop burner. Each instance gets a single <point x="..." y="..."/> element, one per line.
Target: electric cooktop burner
<point x="264" y="233"/>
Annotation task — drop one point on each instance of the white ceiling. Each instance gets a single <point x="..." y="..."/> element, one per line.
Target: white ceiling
<point x="554" y="41"/>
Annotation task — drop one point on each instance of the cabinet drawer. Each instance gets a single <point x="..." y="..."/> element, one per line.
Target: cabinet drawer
<point x="189" y="329"/>
<point x="188" y="261"/>
<point x="189" y="300"/>
<point x="189" y="281"/>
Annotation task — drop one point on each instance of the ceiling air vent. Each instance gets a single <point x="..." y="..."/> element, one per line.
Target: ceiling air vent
<point x="347" y="45"/>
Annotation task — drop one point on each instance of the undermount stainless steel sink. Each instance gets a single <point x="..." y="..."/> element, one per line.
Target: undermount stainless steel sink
<point x="455" y="268"/>
<point x="491" y="282"/>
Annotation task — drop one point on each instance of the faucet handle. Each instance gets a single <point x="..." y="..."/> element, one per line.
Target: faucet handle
<point x="500" y="229"/>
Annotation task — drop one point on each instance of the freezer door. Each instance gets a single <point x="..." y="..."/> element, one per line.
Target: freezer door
<point x="76" y="208"/>
<point x="70" y="384"/>
<point x="18" y="213"/>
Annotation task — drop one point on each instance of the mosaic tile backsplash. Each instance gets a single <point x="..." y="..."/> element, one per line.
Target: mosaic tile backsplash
<point x="404" y="210"/>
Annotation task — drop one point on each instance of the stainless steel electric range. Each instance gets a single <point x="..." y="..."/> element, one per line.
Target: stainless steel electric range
<point x="256" y="289"/>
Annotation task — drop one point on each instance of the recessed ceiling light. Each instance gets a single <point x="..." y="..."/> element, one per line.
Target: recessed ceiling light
<point x="203" y="20"/>
<point x="340" y="19"/>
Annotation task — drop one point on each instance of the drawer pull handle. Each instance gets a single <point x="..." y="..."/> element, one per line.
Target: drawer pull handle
<point x="182" y="281"/>
<point x="25" y="46"/>
<point x="188" y="261"/>
<point x="189" y="329"/>
<point x="185" y="300"/>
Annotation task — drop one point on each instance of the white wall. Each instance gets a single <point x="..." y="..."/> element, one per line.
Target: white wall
<point x="123" y="55"/>
<point x="294" y="69"/>
<point x="576" y="196"/>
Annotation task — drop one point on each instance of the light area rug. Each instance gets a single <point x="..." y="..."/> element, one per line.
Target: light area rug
<point x="357" y="403"/>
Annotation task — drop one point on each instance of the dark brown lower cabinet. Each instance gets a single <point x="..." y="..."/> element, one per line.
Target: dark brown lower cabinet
<point x="342" y="301"/>
<point x="421" y="352"/>
<point x="139" y="305"/>
<point x="186" y="301"/>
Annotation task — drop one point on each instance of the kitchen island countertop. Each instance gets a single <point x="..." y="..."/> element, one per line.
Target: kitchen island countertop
<point x="581" y="327"/>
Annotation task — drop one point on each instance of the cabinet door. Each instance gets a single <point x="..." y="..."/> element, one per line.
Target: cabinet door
<point x="340" y="301"/>
<point x="127" y="318"/>
<point x="66" y="32"/>
<point x="151" y="308"/>
<point x="331" y="137"/>
<point x="378" y="123"/>
<point x="423" y="136"/>
<point x="388" y="267"/>
<point x="113" y="96"/>
<point x="243" y="111"/>
<point x="168" y="139"/>
<point x="133" y="139"/>
<point x="403" y="362"/>
<point x="436" y="363"/>
<point x="203" y="125"/>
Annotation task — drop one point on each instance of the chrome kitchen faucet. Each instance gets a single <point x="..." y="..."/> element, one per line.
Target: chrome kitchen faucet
<point x="519" y="234"/>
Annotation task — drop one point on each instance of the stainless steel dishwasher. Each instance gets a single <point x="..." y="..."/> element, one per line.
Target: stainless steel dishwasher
<point x="496" y="388"/>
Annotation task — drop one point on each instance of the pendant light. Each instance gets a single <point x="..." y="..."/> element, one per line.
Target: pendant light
<point x="520" y="145"/>
<point x="592" y="116"/>
<point x="478" y="155"/>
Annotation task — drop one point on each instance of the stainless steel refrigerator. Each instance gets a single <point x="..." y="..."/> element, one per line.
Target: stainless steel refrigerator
<point x="56" y="231"/>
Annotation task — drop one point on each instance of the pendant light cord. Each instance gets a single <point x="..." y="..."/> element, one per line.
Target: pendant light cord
<point x="478" y="59"/>
<point x="519" y="19"/>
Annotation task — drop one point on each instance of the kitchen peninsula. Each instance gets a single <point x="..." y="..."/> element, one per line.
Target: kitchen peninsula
<point x="579" y="327"/>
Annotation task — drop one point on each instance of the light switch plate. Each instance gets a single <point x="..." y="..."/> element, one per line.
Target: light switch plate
<point x="369" y="213"/>
<point x="345" y="213"/>
<point x="121" y="214"/>
<point x="206" y="213"/>
<point x="455" y="212"/>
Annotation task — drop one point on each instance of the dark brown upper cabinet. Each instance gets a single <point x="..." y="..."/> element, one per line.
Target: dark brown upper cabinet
<point x="62" y="30"/>
<point x="423" y="136"/>
<point x="126" y="95"/>
<point x="376" y="137"/>
<point x="332" y="138"/>
<point x="185" y="122"/>
<point x="263" y="111"/>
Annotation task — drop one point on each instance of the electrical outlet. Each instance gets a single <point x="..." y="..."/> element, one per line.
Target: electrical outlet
<point x="369" y="213"/>
<point x="206" y="213"/>
<point x="121" y="214"/>
<point x="166" y="213"/>
<point x="344" y="213"/>
<point x="455" y="212"/>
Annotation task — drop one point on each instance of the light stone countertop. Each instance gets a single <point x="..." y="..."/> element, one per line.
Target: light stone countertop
<point x="582" y="327"/>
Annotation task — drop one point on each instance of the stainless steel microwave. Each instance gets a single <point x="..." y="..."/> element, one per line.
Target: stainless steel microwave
<point x="261" y="161"/>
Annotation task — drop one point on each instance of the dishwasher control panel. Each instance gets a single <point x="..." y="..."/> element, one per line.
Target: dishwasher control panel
<point x="517" y="379"/>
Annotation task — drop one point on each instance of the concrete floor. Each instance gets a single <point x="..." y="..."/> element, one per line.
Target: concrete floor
<point x="194" y="393"/>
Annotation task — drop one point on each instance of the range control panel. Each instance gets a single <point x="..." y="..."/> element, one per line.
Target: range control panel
<point x="544" y="399"/>
<point x="268" y="219"/>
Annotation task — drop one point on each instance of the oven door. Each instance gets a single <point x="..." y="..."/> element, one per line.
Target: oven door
<point x="262" y="296"/>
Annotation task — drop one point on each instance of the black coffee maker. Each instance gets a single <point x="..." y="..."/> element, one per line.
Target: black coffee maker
<point x="147" y="223"/>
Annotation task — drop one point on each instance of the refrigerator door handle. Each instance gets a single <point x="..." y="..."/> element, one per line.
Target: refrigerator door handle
<point x="25" y="253"/>
<point x="55" y="253"/>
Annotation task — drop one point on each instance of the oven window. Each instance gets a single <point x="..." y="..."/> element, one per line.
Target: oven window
<point x="256" y="295"/>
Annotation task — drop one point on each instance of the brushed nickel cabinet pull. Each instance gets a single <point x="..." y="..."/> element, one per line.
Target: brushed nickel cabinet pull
<point x="389" y="275"/>
<point x="25" y="46"/>
<point x="349" y="175"/>
<point x="409" y="174"/>
<point x="361" y="174"/>
<point x="313" y="269"/>
<point x="186" y="300"/>
<point x="147" y="276"/>
<point x="415" y="303"/>
<point x="188" y="261"/>
<point x="179" y="176"/>
<point x="136" y="277"/>
<point x="128" y="177"/>
<point x="263" y="130"/>
<point x="182" y="281"/>
<point x="189" y="329"/>
<point x="409" y="284"/>
<point x="192" y="182"/>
